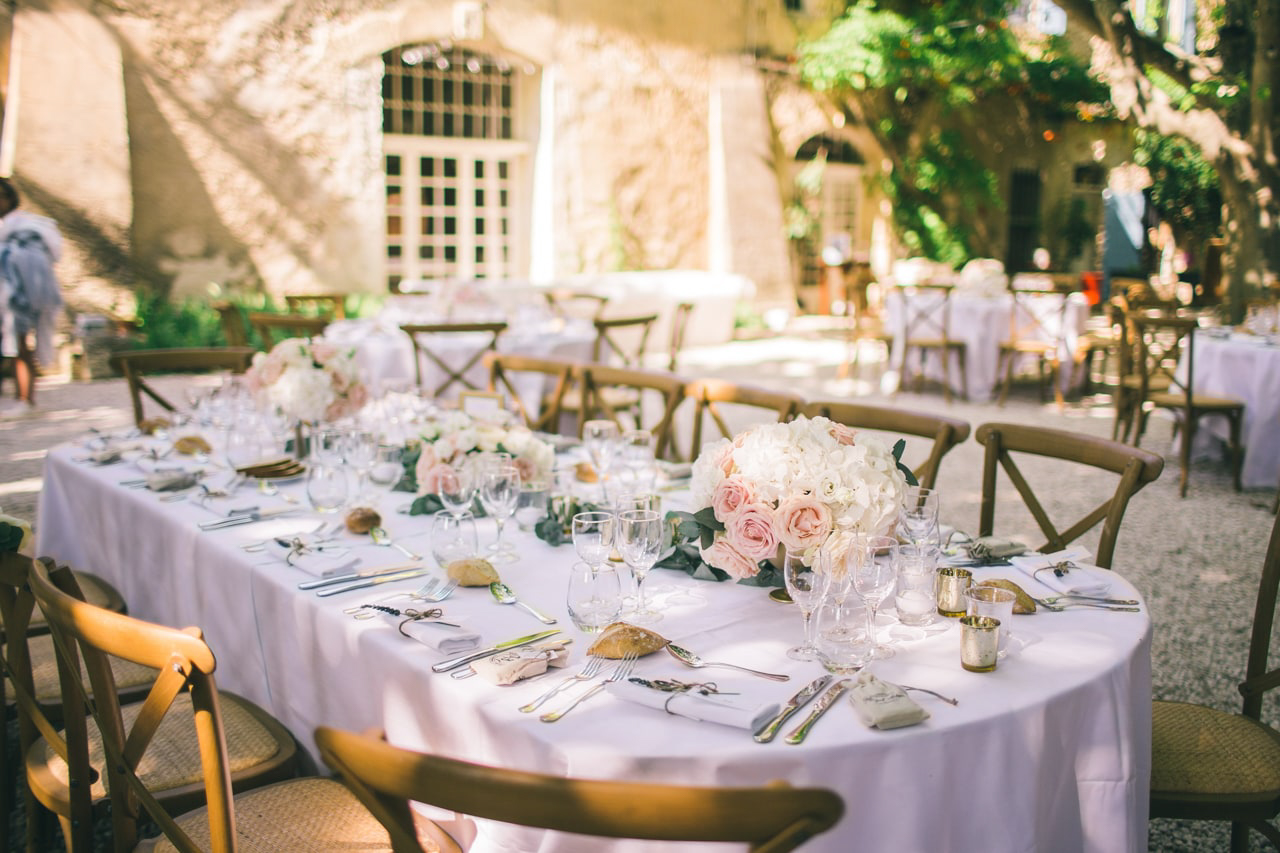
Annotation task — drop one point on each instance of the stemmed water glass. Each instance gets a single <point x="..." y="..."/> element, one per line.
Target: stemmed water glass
<point x="874" y="569"/>
<point x="635" y="452"/>
<point x="360" y="450"/>
<point x="804" y="585"/>
<point x="600" y="440"/>
<point x="918" y="516"/>
<point x="499" y="495"/>
<point x="639" y="540"/>
<point x="593" y="537"/>
<point x="387" y="469"/>
<point x="457" y="488"/>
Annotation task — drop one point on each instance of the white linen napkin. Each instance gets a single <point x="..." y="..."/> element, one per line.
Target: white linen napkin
<point x="322" y="560"/>
<point x="442" y="638"/>
<point x="737" y="711"/>
<point x="1081" y="578"/>
<point x="170" y="479"/>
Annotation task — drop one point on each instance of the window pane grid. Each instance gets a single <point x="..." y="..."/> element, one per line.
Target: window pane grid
<point x="453" y="93"/>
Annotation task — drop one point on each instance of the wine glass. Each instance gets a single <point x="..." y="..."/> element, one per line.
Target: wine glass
<point x="874" y="569"/>
<point x="804" y="585"/>
<point x="593" y="537"/>
<point x="457" y="488"/>
<point x="499" y="495"/>
<point x="593" y="596"/>
<point x="918" y="516"/>
<point x="600" y="440"/>
<point x="453" y="537"/>
<point x="327" y="487"/>
<point x="639" y="540"/>
<point x="360" y="450"/>
<point x="635" y="452"/>
<point x="387" y="469"/>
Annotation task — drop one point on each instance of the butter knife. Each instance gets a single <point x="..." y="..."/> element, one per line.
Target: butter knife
<point x="454" y="663"/>
<point x="795" y="703"/>
<point x="373" y="581"/>
<point x="828" y="699"/>
<point x="356" y="576"/>
<point x="247" y="517"/>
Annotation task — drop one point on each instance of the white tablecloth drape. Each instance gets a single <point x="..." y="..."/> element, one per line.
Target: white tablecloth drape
<point x="1246" y="367"/>
<point x="1050" y="752"/>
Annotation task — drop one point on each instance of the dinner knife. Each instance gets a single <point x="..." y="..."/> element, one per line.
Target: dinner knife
<point x="828" y="699"/>
<point x="795" y="703"/>
<point x="355" y="576"/>
<point x="454" y="663"/>
<point x="374" y="581"/>
<point x="247" y="517"/>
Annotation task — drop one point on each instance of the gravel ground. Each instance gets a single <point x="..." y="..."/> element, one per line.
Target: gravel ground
<point x="1195" y="559"/>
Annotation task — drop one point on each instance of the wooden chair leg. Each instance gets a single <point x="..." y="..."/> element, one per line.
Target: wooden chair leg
<point x="1188" y="435"/>
<point x="964" y="376"/>
<point x="1237" y="452"/>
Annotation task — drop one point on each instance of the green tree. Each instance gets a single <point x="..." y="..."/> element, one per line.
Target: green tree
<point x="1219" y="99"/>
<point x="927" y="79"/>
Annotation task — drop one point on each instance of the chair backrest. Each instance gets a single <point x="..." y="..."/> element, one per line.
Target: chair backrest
<point x="576" y="304"/>
<point x="385" y="778"/>
<point x="534" y="386"/>
<point x="679" y="328"/>
<point x="235" y="325"/>
<point x="428" y="343"/>
<point x="273" y="328"/>
<point x="136" y="365"/>
<point x="332" y="305"/>
<point x="925" y="313"/>
<point x="718" y="399"/>
<point x="1038" y="315"/>
<point x="1162" y="341"/>
<point x="86" y="636"/>
<point x="667" y="389"/>
<point x="945" y="432"/>
<point x="1136" y="468"/>
<point x="622" y="340"/>
<point x="1259" y="678"/>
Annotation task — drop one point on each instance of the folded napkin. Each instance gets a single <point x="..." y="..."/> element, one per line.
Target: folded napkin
<point x="995" y="548"/>
<point x="882" y="705"/>
<point x="725" y="709"/>
<point x="1081" y="578"/>
<point x="318" y="558"/>
<point x="442" y="638"/>
<point x="512" y="665"/>
<point x="170" y="479"/>
<point x="105" y="456"/>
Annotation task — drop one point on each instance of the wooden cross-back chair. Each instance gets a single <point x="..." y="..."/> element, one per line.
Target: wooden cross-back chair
<point x="1208" y="764"/>
<point x="1135" y="467"/>
<point x="333" y="305"/>
<point x="480" y="338"/>
<point x="1037" y="329"/>
<point x="679" y="329"/>
<point x="944" y="432"/>
<point x="535" y="386"/>
<point x="136" y="365"/>
<point x="1163" y="342"/>
<point x="30" y="674"/>
<point x="924" y="324"/>
<point x="602" y="385"/>
<point x="235" y="324"/>
<point x="773" y="818"/>
<point x="717" y="399"/>
<point x="273" y="328"/>
<point x="622" y="340"/>
<point x="576" y="304"/>
<point x="186" y="747"/>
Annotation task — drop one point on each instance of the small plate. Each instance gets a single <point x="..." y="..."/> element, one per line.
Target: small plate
<point x="780" y="595"/>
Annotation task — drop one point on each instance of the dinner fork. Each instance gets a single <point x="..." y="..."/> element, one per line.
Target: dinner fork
<point x="621" y="671"/>
<point x="1054" y="608"/>
<point x="434" y="591"/>
<point x="588" y="671"/>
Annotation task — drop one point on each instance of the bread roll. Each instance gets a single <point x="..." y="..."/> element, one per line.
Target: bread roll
<point x="620" y="638"/>
<point x="150" y="426"/>
<point x="190" y="445"/>
<point x="473" y="571"/>
<point x="362" y="519"/>
<point x="586" y="472"/>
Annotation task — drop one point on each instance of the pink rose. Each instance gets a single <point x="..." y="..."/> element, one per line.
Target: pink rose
<point x="358" y="394"/>
<point x="842" y="434"/>
<point x="730" y="495"/>
<point x="337" y="410"/>
<point x="430" y="480"/>
<point x="801" y="521"/>
<point x="528" y="471"/>
<point x="322" y="351"/>
<point x="750" y="531"/>
<point x="725" y="557"/>
<point x="724" y="459"/>
<point x="337" y="379"/>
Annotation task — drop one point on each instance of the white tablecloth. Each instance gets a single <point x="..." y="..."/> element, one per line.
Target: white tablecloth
<point x="1248" y="368"/>
<point x="1050" y="752"/>
<point x="982" y="323"/>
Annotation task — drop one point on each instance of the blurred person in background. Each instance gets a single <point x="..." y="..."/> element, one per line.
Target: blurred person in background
<point x="30" y="244"/>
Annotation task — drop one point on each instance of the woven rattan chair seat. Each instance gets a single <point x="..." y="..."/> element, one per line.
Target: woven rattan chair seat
<point x="301" y="814"/>
<point x="1199" y="401"/>
<point x="173" y="758"/>
<point x="44" y="671"/>
<point x="1205" y="751"/>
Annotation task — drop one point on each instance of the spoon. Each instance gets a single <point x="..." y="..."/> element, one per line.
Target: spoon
<point x="380" y="536"/>
<point x="504" y="595"/>
<point x="689" y="659"/>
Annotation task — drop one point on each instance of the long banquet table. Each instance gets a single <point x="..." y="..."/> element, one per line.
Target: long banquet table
<point x="1049" y="752"/>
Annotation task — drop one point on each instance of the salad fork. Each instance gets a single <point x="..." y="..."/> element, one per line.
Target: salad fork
<point x="1054" y="608"/>
<point x="621" y="671"/>
<point x="588" y="671"/>
<point x="434" y="591"/>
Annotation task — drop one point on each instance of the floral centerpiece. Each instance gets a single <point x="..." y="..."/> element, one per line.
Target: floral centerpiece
<point x="311" y="381"/>
<point x="449" y="439"/>
<point x="805" y="485"/>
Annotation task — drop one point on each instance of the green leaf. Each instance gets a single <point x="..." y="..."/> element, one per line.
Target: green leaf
<point x="426" y="505"/>
<point x="551" y="530"/>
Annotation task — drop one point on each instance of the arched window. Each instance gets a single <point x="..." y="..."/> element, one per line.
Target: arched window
<point x="452" y="158"/>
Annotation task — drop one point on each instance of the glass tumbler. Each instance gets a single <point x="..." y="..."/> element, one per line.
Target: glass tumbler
<point x="594" y="596"/>
<point x="327" y="487"/>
